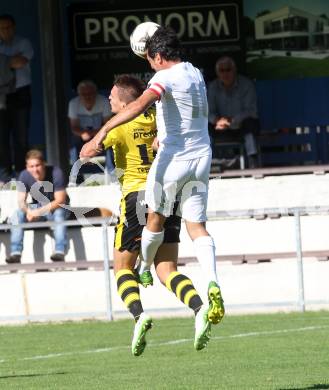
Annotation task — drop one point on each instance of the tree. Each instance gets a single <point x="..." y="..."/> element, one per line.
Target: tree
<point x="248" y="27"/>
<point x="264" y="12"/>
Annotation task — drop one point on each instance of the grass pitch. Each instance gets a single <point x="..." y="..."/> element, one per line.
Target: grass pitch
<point x="277" y="351"/>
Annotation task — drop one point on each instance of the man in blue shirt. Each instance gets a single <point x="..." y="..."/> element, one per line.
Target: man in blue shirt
<point x="14" y="129"/>
<point x="232" y="103"/>
<point x="47" y="189"/>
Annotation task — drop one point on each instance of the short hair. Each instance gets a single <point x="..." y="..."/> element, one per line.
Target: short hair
<point x="8" y="17"/>
<point x="165" y="42"/>
<point x="86" y="83"/>
<point x="130" y="87"/>
<point x="35" y="154"/>
<point x="225" y="60"/>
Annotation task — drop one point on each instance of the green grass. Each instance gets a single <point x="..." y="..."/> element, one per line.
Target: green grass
<point x="287" y="67"/>
<point x="278" y="351"/>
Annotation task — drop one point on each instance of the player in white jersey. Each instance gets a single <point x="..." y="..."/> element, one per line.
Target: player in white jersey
<point x="181" y="167"/>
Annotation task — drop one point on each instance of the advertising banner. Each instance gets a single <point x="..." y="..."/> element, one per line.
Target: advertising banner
<point x="287" y="38"/>
<point x="99" y="35"/>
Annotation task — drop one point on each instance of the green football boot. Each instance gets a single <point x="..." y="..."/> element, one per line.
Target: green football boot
<point x="138" y="343"/>
<point x="145" y="279"/>
<point x="216" y="309"/>
<point x="202" y="329"/>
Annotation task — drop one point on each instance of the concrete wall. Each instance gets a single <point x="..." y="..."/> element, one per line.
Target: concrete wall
<point x="246" y="288"/>
<point x="232" y="236"/>
<point x="264" y="287"/>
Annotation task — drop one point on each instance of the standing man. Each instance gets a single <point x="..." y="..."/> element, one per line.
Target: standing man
<point x="7" y="85"/>
<point x="182" y="165"/>
<point x="233" y="108"/>
<point x="47" y="187"/>
<point x="87" y="113"/>
<point x="133" y="152"/>
<point x="18" y="103"/>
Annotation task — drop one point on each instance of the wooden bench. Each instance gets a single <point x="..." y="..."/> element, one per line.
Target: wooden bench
<point x="307" y="145"/>
<point x="272" y="171"/>
<point x="292" y="147"/>
<point x="81" y="265"/>
<point x="38" y="245"/>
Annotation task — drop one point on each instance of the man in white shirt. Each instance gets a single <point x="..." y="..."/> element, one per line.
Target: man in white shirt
<point x="233" y="108"/>
<point x="87" y="113"/>
<point x="181" y="167"/>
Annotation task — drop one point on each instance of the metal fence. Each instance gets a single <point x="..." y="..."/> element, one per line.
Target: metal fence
<point x="96" y="221"/>
<point x="296" y="212"/>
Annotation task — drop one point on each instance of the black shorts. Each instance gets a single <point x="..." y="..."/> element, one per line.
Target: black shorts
<point x="128" y="232"/>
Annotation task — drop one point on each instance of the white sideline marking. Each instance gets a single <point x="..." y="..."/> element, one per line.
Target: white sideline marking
<point x="179" y="341"/>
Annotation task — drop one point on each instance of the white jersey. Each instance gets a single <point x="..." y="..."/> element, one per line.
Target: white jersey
<point x="181" y="112"/>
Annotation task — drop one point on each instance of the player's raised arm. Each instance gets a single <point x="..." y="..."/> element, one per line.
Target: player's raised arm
<point x="131" y="111"/>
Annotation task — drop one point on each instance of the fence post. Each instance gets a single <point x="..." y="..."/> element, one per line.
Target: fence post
<point x="109" y="312"/>
<point x="300" y="276"/>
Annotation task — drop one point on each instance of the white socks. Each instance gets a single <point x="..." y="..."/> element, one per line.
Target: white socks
<point x="204" y="248"/>
<point x="149" y="247"/>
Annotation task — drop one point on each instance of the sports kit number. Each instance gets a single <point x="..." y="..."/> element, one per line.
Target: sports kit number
<point x="143" y="154"/>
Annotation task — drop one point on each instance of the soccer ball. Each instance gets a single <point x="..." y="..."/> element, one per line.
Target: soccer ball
<point x="139" y="36"/>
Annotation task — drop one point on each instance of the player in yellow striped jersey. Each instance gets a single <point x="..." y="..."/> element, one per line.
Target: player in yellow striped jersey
<point x="133" y="153"/>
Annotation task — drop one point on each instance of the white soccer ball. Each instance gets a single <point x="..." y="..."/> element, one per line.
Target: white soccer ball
<point x="139" y="36"/>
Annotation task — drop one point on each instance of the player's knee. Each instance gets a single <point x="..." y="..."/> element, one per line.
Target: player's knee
<point x="155" y="222"/>
<point x="196" y="229"/>
<point x="164" y="269"/>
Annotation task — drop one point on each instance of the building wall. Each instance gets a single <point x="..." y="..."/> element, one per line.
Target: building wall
<point x="282" y="103"/>
<point x="282" y="14"/>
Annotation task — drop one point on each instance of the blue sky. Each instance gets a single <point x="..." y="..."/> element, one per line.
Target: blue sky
<point x="316" y="7"/>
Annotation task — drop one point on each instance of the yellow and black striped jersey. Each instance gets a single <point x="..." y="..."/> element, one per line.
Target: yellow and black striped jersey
<point x="132" y="147"/>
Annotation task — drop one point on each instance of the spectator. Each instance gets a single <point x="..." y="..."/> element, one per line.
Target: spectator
<point x="14" y="129"/>
<point x="47" y="189"/>
<point x="233" y="108"/>
<point x="87" y="113"/>
<point x="7" y="84"/>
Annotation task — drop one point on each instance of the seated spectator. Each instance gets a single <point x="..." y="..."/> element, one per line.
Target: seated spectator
<point x="87" y="113"/>
<point x="233" y="108"/>
<point x="46" y="187"/>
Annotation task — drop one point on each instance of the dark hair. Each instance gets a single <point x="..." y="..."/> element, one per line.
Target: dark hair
<point x="130" y="87"/>
<point x="165" y="42"/>
<point x="8" y="17"/>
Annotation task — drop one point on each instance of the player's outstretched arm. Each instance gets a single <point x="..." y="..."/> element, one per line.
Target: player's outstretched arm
<point x="89" y="150"/>
<point x="131" y="111"/>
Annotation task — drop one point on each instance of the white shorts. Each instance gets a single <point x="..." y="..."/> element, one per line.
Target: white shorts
<point x="183" y="180"/>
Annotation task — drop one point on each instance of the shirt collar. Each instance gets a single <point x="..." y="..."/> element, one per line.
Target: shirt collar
<point x="234" y="85"/>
